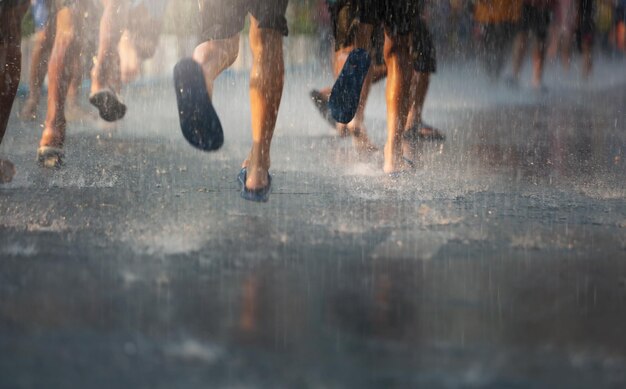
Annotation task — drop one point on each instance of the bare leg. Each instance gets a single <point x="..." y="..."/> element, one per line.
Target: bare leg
<point x="566" y="53"/>
<point x="266" y="87"/>
<point x="587" y="61"/>
<point x="38" y="69"/>
<point x="130" y="64"/>
<point x="10" y="62"/>
<point x="356" y="127"/>
<point x="620" y="36"/>
<point x="74" y="110"/>
<point x="519" y="50"/>
<point x="419" y="88"/>
<point x="66" y="49"/>
<point x="399" y="73"/>
<point x="216" y="56"/>
<point x="76" y="80"/>
<point x="138" y="41"/>
<point x="539" y="55"/>
<point x="106" y="69"/>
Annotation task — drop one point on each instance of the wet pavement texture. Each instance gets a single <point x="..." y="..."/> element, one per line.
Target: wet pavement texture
<point x="499" y="263"/>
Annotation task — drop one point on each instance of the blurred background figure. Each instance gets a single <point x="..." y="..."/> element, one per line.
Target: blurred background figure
<point x="619" y="29"/>
<point x="535" y="19"/>
<point x="70" y="27"/>
<point x="135" y="21"/>
<point x="586" y="33"/>
<point x="562" y="31"/>
<point x="44" y="18"/>
<point x="495" y="24"/>
<point x="129" y="33"/>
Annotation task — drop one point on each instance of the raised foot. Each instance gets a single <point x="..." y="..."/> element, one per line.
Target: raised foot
<point x="109" y="105"/>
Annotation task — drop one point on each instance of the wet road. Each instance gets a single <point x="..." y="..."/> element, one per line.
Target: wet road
<point x="499" y="263"/>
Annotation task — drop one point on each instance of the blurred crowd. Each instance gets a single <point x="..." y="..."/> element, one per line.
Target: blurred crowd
<point x="459" y="26"/>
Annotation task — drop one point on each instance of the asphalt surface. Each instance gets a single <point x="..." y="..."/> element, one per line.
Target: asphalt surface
<point x="499" y="263"/>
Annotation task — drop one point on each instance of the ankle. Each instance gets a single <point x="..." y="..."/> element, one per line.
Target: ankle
<point x="259" y="157"/>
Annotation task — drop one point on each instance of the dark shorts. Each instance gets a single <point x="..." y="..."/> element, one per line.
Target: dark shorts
<point x="12" y="3"/>
<point x="536" y="20"/>
<point x="424" y="54"/>
<point x="221" y="19"/>
<point x="620" y="14"/>
<point x="346" y="15"/>
<point x="397" y="16"/>
<point x="6" y="4"/>
<point x="586" y="22"/>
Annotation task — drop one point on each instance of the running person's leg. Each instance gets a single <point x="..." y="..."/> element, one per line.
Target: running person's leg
<point x="540" y="24"/>
<point x="520" y="43"/>
<point x="105" y="74"/>
<point x="67" y="47"/>
<point x="140" y="37"/>
<point x="354" y="22"/>
<point x="266" y="87"/>
<point x="11" y="14"/>
<point x="379" y="72"/>
<point x="620" y="26"/>
<point x="424" y="64"/>
<point x="398" y="21"/>
<point x="222" y="22"/>
<point x="74" y="109"/>
<point x="587" y="30"/>
<point x="42" y="47"/>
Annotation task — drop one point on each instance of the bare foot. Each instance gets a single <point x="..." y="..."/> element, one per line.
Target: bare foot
<point x="7" y="171"/>
<point x="394" y="159"/>
<point x="52" y="137"/>
<point x="257" y="165"/>
<point x="256" y="177"/>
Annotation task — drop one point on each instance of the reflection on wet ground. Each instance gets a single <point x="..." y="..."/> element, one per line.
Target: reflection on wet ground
<point x="500" y="262"/>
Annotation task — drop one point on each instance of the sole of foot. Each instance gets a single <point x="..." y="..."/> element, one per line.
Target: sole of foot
<point x="198" y="119"/>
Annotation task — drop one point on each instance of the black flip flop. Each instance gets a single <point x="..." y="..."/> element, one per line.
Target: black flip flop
<point x="261" y="195"/>
<point x="346" y="93"/>
<point x="109" y="105"/>
<point x="198" y="120"/>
